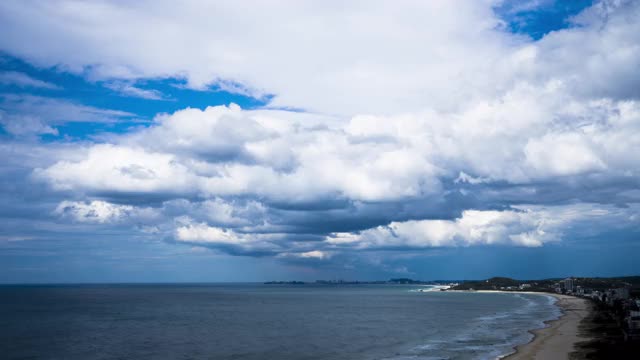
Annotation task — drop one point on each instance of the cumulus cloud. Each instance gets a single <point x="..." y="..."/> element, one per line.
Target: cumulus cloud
<point x="314" y="255"/>
<point x="472" y="228"/>
<point x="114" y="168"/>
<point x="562" y="154"/>
<point x="206" y="234"/>
<point x="523" y="225"/>
<point x="269" y="182"/>
<point x="102" y="212"/>
<point x="224" y="151"/>
<point x="229" y="240"/>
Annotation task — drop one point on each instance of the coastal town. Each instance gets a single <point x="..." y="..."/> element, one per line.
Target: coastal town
<point x="616" y="299"/>
<point x="620" y="300"/>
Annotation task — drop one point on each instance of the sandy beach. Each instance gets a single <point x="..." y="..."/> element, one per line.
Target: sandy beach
<point x="558" y="339"/>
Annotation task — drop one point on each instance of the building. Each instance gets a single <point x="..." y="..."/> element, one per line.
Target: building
<point x="623" y="293"/>
<point x="568" y="284"/>
<point x="632" y="326"/>
<point x="613" y="295"/>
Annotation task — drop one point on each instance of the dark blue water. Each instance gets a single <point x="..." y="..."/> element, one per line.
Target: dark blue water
<point x="248" y="321"/>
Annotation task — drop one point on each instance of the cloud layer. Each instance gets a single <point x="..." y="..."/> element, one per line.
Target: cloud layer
<point x="265" y="181"/>
<point x="425" y="125"/>
<point x="347" y="59"/>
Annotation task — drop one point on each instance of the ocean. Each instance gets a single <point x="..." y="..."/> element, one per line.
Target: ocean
<point x="256" y="321"/>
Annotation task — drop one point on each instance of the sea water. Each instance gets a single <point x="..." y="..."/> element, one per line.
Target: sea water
<point x="256" y="321"/>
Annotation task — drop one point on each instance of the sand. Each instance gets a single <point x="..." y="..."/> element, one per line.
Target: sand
<point x="558" y="339"/>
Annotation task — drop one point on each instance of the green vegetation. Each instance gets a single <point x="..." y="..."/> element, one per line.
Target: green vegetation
<point x="599" y="284"/>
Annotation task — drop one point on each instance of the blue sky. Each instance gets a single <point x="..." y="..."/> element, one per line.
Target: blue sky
<point x="540" y="17"/>
<point x="436" y="141"/>
<point x="165" y="96"/>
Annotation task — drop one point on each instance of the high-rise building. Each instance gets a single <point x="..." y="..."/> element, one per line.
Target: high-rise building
<point x="569" y="285"/>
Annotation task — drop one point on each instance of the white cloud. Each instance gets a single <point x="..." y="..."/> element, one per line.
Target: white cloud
<point x="206" y="234"/>
<point x="25" y="125"/>
<point x="211" y="153"/>
<point x="228" y="151"/>
<point x="562" y="154"/>
<point x="374" y="58"/>
<point x="466" y="178"/>
<point x="422" y="111"/>
<point x="202" y="234"/>
<point x="128" y="89"/>
<point x="102" y="212"/>
<point x="239" y="163"/>
<point x="529" y="226"/>
<point x="24" y="80"/>
<point x="25" y="115"/>
<point x="307" y="255"/>
<point x="473" y="228"/>
<point x="315" y="254"/>
<point x="124" y="169"/>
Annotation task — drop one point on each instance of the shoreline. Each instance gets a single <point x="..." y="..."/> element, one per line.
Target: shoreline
<point x="559" y="337"/>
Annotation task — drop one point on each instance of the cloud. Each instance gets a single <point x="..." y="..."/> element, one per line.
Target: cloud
<point x="227" y="151"/>
<point x="472" y="228"/>
<point x="368" y="63"/>
<point x="24" y="115"/>
<point x="207" y="234"/>
<point x="314" y="255"/>
<point x="227" y="240"/>
<point x="562" y="154"/>
<point x="426" y="125"/>
<point x="466" y="178"/>
<point x="523" y="225"/>
<point x="25" y="125"/>
<point x="269" y="182"/>
<point x="120" y="169"/>
<point x="100" y="211"/>
<point x="23" y="80"/>
<point x="127" y="89"/>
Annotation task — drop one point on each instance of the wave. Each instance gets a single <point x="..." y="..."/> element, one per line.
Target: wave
<point x="491" y="336"/>
<point x="431" y="288"/>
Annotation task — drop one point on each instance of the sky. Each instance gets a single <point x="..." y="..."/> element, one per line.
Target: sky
<point x="153" y="141"/>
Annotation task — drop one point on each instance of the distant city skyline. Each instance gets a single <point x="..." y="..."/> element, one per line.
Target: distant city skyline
<point x="258" y="141"/>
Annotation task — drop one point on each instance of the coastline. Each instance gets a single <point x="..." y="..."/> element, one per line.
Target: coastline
<point x="560" y="336"/>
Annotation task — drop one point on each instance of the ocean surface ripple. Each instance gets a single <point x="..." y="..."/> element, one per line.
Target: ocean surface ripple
<point x="255" y="321"/>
